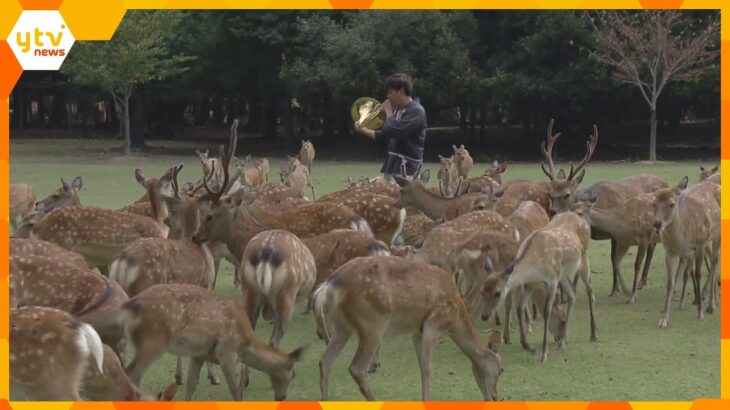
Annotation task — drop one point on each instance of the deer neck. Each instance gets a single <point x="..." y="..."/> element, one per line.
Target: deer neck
<point x="242" y="230"/>
<point x="466" y="337"/>
<point x="672" y="235"/>
<point x="609" y="221"/>
<point x="429" y="203"/>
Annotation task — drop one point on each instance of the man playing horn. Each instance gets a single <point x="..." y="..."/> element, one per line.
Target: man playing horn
<point x="404" y="129"/>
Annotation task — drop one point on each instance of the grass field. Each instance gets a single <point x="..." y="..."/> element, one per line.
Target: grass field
<point x="632" y="360"/>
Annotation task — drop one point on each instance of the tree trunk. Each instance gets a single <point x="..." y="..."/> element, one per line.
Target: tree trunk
<point x="289" y="122"/>
<point x="328" y="117"/>
<point x="652" y="135"/>
<point x="127" y="126"/>
<point x="138" y="122"/>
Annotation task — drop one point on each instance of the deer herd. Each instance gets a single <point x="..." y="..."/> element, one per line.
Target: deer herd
<point x="378" y="257"/>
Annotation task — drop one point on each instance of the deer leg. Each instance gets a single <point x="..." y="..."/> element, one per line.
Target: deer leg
<point x="685" y="276"/>
<point x="376" y="361"/>
<point x="211" y="376"/>
<point x="585" y="273"/>
<point x="647" y="264"/>
<point x="339" y="336"/>
<point x="640" y="253"/>
<point x="699" y="258"/>
<point x="425" y="343"/>
<point x="674" y="265"/>
<point x="146" y="353"/>
<point x="520" y="321"/>
<point x="178" y="371"/>
<point x="196" y="363"/>
<point x="507" y="318"/>
<point x="282" y="315"/>
<point x="616" y="258"/>
<point x="550" y="289"/>
<point x="712" y="279"/>
<point x="566" y="288"/>
<point x="252" y="304"/>
<point x="368" y="343"/>
<point x="228" y="366"/>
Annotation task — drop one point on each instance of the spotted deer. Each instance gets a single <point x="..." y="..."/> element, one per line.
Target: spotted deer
<point x="710" y="174"/>
<point x="50" y="351"/>
<point x="112" y="384"/>
<point x="548" y="258"/>
<point x="448" y="176"/>
<point x="496" y="170"/>
<point x="192" y="321"/>
<point x="528" y="217"/>
<point x="51" y="282"/>
<point x="306" y="154"/>
<point x="687" y="221"/>
<point x="295" y="175"/>
<point x="372" y="296"/>
<point x="463" y="161"/>
<point x="66" y="195"/>
<point x="630" y="223"/>
<point x="381" y="212"/>
<point x="155" y="190"/>
<point x="37" y="247"/>
<point x="562" y="187"/>
<point x="22" y="202"/>
<point x="211" y="169"/>
<point x="506" y="198"/>
<point x="254" y="172"/>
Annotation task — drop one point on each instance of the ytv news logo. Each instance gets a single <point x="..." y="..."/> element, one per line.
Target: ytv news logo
<point x="40" y="40"/>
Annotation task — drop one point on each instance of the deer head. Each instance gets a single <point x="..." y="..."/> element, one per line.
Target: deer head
<point x="66" y="195"/>
<point x="562" y="187"/>
<point x="705" y="173"/>
<point x="665" y="201"/>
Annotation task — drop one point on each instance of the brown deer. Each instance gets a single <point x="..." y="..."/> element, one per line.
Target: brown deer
<point x="381" y="212"/>
<point x="295" y="175"/>
<point x="710" y="174"/>
<point x="370" y="296"/>
<point x="22" y="202"/>
<point x="192" y="321"/>
<point x="630" y="223"/>
<point x="550" y="257"/>
<point x="415" y="229"/>
<point x="448" y="177"/>
<point x="112" y="384"/>
<point x="463" y="161"/>
<point x="562" y="187"/>
<point x="49" y="353"/>
<point x="211" y="169"/>
<point x="506" y="198"/>
<point x="154" y="207"/>
<point x="496" y="170"/>
<point x="254" y="172"/>
<point x="279" y="269"/>
<point x="66" y="195"/>
<point x="528" y="217"/>
<point x="379" y="188"/>
<point x="688" y="223"/>
<point x="37" y="247"/>
<point x="306" y="154"/>
<point x="51" y="282"/>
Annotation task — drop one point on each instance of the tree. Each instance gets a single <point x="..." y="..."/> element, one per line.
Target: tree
<point x="136" y="55"/>
<point x="650" y="49"/>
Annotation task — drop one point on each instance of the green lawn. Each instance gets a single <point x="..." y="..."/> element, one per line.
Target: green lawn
<point x="632" y="360"/>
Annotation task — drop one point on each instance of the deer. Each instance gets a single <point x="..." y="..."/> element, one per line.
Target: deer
<point x="496" y="170"/>
<point x="50" y="350"/>
<point x="306" y="154"/>
<point x="22" y="202"/>
<point x="710" y="174"/>
<point x="370" y="296"/>
<point x="381" y="212"/>
<point x="335" y="248"/>
<point x="687" y="222"/>
<point x="448" y="176"/>
<point x="629" y="223"/>
<point x="295" y="175"/>
<point x="528" y="217"/>
<point x="192" y="321"/>
<point x="506" y="198"/>
<point x="548" y="258"/>
<point x="378" y="188"/>
<point x="37" y="247"/>
<point x="66" y="195"/>
<point x="58" y="283"/>
<point x="254" y="172"/>
<point x="112" y="384"/>
<point x="415" y="229"/>
<point x="211" y="170"/>
<point x="463" y="161"/>
<point x="156" y="189"/>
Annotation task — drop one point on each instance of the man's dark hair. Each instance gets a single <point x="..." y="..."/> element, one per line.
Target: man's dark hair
<point x="399" y="81"/>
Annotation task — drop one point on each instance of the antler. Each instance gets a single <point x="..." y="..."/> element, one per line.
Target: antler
<point x="548" y="153"/>
<point x="590" y="147"/>
<point x="225" y="161"/>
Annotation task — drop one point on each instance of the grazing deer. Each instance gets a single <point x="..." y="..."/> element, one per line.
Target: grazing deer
<point x="49" y="353"/>
<point x="381" y="212"/>
<point x="462" y="160"/>
<point x="22" y="202"/>
<point x="306" y="154"/>
<point x="295" y="175"/>
<point x="61" y="284"/>
<point x="688" y="223"/>
<point x="448" y="176"/>
<point x="710" y="174"/>
<point x="112" y="384"/>
<point x="370" y="296"/>
<point x="335" y="248"/>
<point x="66" y="195"/>
<point x="562" y="187"/>
<point x="550" y="257"/>
<point x="630" y="223"/>
<point x="192" y="321"/>
<point x="37" y="247"/>
<point x="279" y="269"/>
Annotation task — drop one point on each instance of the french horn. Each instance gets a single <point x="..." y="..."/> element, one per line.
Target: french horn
<point x="367" y="112"/>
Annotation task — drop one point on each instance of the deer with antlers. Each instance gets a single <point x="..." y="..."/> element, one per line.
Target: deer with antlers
<point x="370" y="296"/>
<point x="22" y="202"/>
<point x="192" y="321"/>
<point x="687" y="221"/>
<point x="548" y="258"/>
<point x="49" y="353"/>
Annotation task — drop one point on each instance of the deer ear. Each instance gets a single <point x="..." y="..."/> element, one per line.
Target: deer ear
<point x="579" y="178"/>
<point x="713" y="170"/>
<point x="76" y="184"/>
<point x="462" y="146"/>
<point x="503" y="166"/>
<point x="495" y="341"/>
<point x="488" y="265"/>
<point x="683" y="183"/>
<point x="400" y="180"/>
<point x="139" y="176"/>
<point x="561" y="174"/>
<point x="454" y="146"/>
<point x="66" y="186"/>
<point x="425" y="176"/>
<point x="169" y="393"/>
<point x="702" y="168"/>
